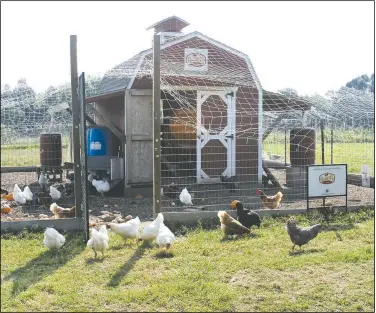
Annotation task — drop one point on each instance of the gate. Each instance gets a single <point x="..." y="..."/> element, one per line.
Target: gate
<point x="83" y="158"/>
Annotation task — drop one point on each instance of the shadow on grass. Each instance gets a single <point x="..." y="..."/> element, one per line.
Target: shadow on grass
<point x="303" y="251"/>
<point x="125" y="269"/>
<point x="45" y="264"/>
<point x="237" y="237"/>
<point x="164" y="254"/>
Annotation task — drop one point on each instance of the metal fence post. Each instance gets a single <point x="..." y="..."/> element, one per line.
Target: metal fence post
<point x="76" y="123"/>
<point x="156" y="126"/>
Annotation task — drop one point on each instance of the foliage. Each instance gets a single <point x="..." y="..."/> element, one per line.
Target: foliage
<point x="363" y="82"/>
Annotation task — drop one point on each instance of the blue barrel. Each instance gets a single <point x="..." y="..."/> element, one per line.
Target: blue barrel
<point x="99" y="141"/>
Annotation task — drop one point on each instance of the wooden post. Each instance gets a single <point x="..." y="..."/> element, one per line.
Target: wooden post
<point x="331" y="145"/>
<point x="76" y="124"/>
<point x="156" y="125"/>
<point x="322" y="150"/>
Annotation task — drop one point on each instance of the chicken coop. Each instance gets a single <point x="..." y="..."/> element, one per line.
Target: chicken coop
<point x="212" y="104"/>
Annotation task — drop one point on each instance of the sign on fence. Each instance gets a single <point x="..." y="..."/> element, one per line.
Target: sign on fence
<point x="326" y="181"/>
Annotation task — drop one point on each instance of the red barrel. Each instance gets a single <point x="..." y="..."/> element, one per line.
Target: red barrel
<point x="50" y="150"/>
<point x="302" y="146"/>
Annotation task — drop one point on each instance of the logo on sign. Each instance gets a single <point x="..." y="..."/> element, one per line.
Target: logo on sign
<point x="327" y="178"/>
<point x="196" y="59"/>
<point x="95" y="145"/>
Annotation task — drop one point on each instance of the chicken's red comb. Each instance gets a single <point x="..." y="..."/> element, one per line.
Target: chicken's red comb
<point x="258" y="191"/>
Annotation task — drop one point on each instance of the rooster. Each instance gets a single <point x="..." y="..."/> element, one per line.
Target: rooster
<point x="60" y="212"/>
<point x="246" y="217"/>
<point x="271" y="202"/>
<point x="301" y="236"/>
<point x="229" y="183"/>
<point x="231" y="226"/>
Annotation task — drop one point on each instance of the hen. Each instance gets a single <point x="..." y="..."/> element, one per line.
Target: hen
<point x="53" y="239"/>
<point x="54" y="193"/>
<point x="231" y="226"/>
<point x="246" y="217"/>
<point x="165" y="237"/>
<point x="28" y="194"/>
<point x="102" y="186"/>
<point x="271" y="202"/>
<point x="18" y="195"/>
<point x="301" y="236"/>
<point x="185" y="197"/>
<point x="60" y="212"/>
<point x="126" y="230"/>
<point x="99" y="240"/>
<point x="150" y="232"/>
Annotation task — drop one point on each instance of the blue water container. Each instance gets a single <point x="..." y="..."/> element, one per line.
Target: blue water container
<point x="98" y="141"/>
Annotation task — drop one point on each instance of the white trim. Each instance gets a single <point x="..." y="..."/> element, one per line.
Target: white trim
<point x="203" y="137"/>
<point x="200" y="88"/>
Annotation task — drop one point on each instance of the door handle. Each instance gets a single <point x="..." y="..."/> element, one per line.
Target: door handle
<point x="230" y="136"/>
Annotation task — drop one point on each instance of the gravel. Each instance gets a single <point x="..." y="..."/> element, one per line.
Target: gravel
<point x="142" y="206"/>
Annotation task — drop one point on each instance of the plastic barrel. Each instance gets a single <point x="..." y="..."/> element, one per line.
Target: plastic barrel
<point x="99" y="141"/>
<point x="50" y="150"/>
<point x="302" y="146"/>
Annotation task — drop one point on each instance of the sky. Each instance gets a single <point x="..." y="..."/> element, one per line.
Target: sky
<point x="312" y="47"/>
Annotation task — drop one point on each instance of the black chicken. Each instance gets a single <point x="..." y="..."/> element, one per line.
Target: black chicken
<point x="172" y="191"/>
<point x="229" y="183"/>
<point x="301" y="236"/>
<point x="247" y="217"/>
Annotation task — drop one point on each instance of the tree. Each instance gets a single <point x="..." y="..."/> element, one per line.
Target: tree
<point x="363" y="83"/>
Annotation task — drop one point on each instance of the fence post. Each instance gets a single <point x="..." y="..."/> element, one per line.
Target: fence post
<point x="322" y="150"/>
<point x="156" y="125"/>
<point x="76" y="123"/>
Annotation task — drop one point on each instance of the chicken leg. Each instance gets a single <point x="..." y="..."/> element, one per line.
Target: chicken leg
<point x="95" y="254"/>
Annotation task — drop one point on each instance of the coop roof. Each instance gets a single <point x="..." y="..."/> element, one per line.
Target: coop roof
<point x="123" y="75"/>
<point x="169" y="24"/>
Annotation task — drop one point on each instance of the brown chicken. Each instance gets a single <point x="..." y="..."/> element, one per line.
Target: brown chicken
<point x="231" y="226"/>
<point x="60" y="212"/>
<point x="271" y="202"/>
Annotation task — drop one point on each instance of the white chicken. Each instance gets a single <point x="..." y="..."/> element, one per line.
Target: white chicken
<point x="28" y="194"/>
<point x="42" y="179"/>
<point x="18" y="195"/>
<point x="185" y="197"/>
<point x="54" y="193"/>
<point x="126" y="230"/>
<point x="99" y="240"/>
<point x="102" y="186"/>
<point x="53" y="239"/>
<point x="150" y="232"/>
<point x="165" y="237"/>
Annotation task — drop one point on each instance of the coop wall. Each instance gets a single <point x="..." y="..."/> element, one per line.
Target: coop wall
<point x="247" y="134"/>
<point x="113" y="110"/>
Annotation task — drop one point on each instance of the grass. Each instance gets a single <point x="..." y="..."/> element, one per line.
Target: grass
<point x="353" y="154"/>
<point x="205" y="272"/>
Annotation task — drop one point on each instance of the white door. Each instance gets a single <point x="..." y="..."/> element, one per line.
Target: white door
<point x="216" y="121"/>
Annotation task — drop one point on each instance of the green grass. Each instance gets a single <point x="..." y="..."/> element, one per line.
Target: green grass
<point x="352" y="154"/>
<point x="334" y="272"/>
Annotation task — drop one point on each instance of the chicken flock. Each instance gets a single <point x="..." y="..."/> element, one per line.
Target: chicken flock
<point x="165" y="238"/>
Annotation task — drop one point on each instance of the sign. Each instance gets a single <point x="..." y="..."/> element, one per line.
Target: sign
<point x="196" y="60"/>
<point x="327" y="180"/>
